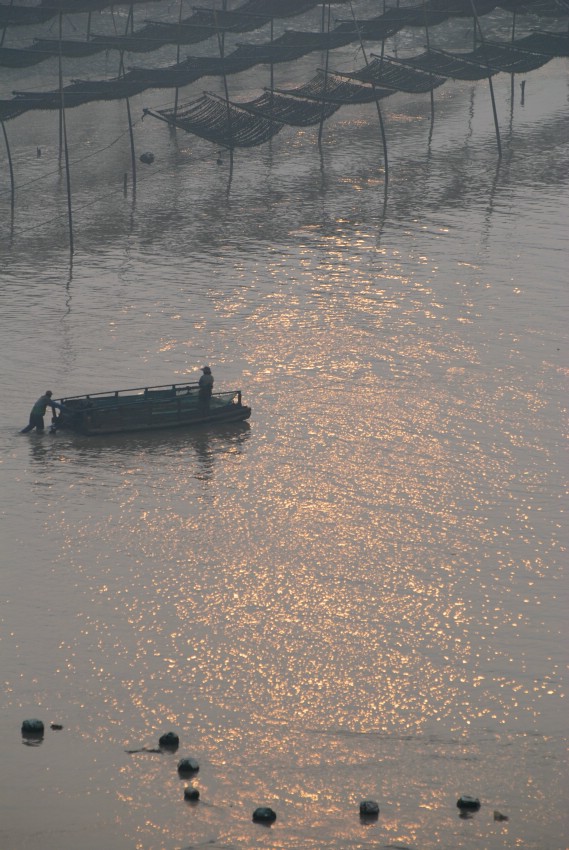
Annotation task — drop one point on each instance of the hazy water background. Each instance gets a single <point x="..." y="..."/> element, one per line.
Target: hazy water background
<point x="363" y="592"/>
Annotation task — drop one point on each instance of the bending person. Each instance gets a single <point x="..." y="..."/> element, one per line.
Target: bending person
<point x="38" y="412"/>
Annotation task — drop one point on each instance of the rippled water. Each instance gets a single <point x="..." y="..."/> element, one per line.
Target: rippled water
<point x="362" y="592"/>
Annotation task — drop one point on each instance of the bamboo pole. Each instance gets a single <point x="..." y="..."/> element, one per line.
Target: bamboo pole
<point x="63" y="138"/>
<point x="321" y="127"/>
<point x="493" y="99"/>
<point x="132" y="147"/>
<point x="379" y="113"/>
<point x="178" y="60"/>
<point x="272" y="63"/>
<point x="129" y="22"/>
<point x="221" y="44"/>
<point x="10" y="168"/>
<point x="512" y="76"/>
<point x="430" y="74"/>
<point x="6" y="27"/>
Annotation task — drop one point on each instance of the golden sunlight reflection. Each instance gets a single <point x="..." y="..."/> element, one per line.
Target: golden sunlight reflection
<point x="321" y="592"/>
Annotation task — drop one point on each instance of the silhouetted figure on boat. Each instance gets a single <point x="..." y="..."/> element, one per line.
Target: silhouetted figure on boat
<point x="206" y="387"/>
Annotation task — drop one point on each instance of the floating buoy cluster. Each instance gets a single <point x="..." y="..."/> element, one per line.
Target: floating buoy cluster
<point x="33" y="732"/>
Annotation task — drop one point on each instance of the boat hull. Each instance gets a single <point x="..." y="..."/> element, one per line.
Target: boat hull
<point x="152" y="409"/>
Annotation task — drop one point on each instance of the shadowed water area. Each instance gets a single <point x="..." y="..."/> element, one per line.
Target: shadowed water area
<point x="360" y="593"/>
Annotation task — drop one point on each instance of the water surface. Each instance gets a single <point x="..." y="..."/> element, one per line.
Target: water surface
<point x="362" y="592"/>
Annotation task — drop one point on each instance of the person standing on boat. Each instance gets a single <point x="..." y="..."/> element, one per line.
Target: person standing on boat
<point x="206" y="387"/>
<point x="38" y="412"/>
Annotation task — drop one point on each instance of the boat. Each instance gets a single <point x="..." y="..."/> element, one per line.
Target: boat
<point x="147" y="409"/>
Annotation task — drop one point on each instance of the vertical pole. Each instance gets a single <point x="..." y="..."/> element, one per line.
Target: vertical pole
<point x="132" y="149"/>
<point x="272" y="63"/>
<point x="88" y="26"/>
<point x="5" y="28"/>
<point x="495" y="113"/>
<point x="321" y="128"/>
<point x="430" y="71"/>
<point x="220" y="41"/>
<point x="512" y="75"/>
<point x="178" y="60"/>
<point x="129" y="23"/>
<point x="272" y="78"/>
<point x="63" y="138"/>
<point x="61" y="91"/>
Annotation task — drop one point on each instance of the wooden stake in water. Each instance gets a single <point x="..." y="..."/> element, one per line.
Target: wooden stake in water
<point x="379" y="114"/>
<point x="493" y="99"/>
<point x="11" y="169"/>
<point x="178" y="60"/>
<point x="63" y="137"/>
<point x="322" y="116"/>
<point x="221" y="44"/>
<point x="129" y="22"/>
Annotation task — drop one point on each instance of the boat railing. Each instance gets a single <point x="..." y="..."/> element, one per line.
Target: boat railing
<point x="139" y="391"/>
<point x="154" y="395"/>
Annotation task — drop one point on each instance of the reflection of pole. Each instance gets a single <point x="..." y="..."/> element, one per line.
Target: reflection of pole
<point x="322" y="116"/>
<point x="63" y="138"/>
<point x="495" y="113"/>
<point x="11" y="169"/>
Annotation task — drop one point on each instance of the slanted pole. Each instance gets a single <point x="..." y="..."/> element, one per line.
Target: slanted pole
<point x="379" y="114"/>
<point x="10" y="168"/>
<point x="493" y="99"/>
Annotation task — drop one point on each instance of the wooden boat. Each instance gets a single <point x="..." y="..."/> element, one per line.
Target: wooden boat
<point x="148" y="409"/>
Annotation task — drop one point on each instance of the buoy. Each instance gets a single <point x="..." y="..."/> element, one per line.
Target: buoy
<point x="264" y="814"/>
<point x="470" y="804"/>
<point x="191" y="794"/>
<point x="188" y="766"/>
<point x="32" y="729"/>
<point x="147" y="158"/>
<point x="169" y="741"/>
<point x="369" y="809"/>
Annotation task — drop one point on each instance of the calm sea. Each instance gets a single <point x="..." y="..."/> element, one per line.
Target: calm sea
<point x="360" y="594"/>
